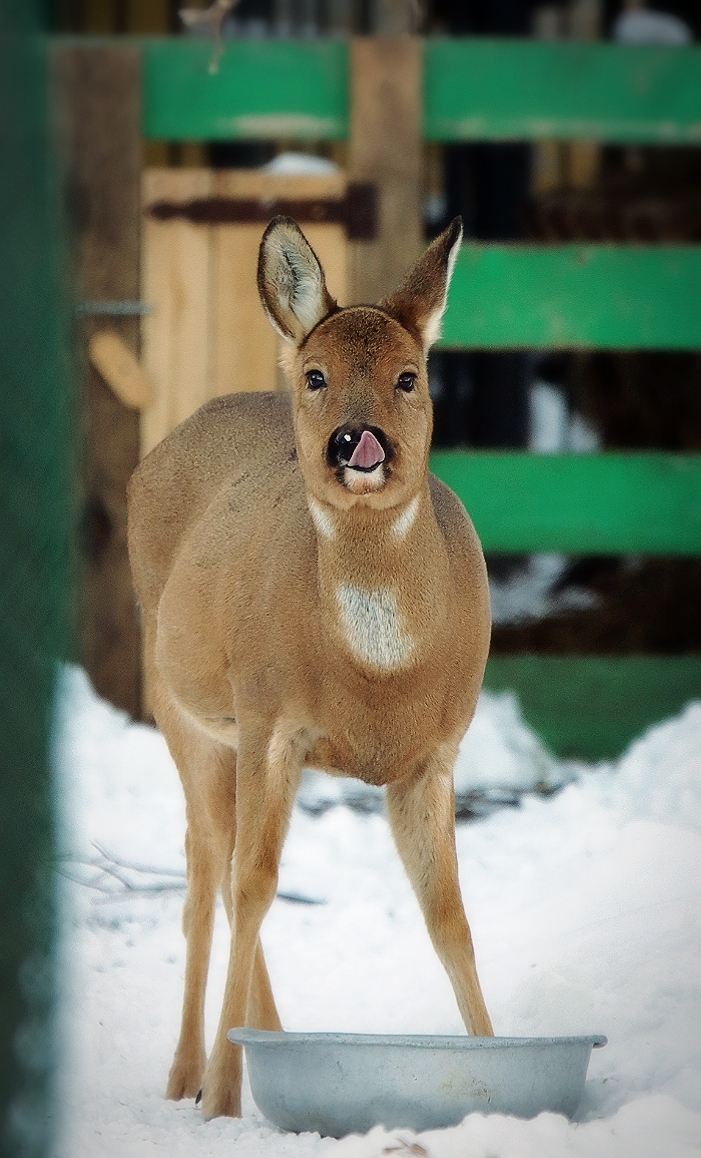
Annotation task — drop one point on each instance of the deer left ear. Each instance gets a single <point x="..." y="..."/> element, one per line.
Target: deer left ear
<point x="420" y="301"/>
<point x="291" y="281"/>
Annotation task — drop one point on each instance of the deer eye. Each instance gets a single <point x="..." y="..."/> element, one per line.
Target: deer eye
<point x="315" y="379"/>
<point x="406" y="382"/>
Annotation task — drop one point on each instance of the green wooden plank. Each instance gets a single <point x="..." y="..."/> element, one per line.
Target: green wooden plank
<point x="262" y="88"/>
<point x="591" y="707"/>
<point x="586" y="296"/>
<point x="474" y="89"/>
<point x="598" y="503"/>
<point x="484" y="89"/>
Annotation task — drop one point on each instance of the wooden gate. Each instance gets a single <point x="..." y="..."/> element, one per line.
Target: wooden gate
<point x="206" y="332"/>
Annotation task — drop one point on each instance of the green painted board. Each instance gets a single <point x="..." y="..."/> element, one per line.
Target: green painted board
<point x="484" y="89"/>
<point x="586" y="296"/>
<point x="579" y="503"/>
<point x="474" y="89"/>
<point x="591" y="707"/>
<point x="262" y="88"/>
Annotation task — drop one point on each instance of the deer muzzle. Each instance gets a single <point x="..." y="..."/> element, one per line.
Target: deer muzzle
<point x="361" y="448"/>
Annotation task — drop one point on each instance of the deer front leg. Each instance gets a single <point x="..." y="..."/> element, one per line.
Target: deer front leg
<point x="268" y="774"/>
<point x="262" y="1011"/>
<point x="421" y="813"/>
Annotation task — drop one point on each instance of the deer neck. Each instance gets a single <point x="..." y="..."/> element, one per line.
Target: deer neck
<point x="383" y="581"/>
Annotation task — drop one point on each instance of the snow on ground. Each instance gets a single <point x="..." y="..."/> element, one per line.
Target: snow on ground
<point x="584" y="908"/>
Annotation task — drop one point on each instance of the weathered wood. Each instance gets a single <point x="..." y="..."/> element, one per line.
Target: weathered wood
<point x="584" y="157"/>
<point x="385" y="147"/>
<point x="120" y="368"/>
<point x="207" y="333"/>
<point x="245" y="349"/>
<point x="97" y="89"/>
<point x="176" y="282"/>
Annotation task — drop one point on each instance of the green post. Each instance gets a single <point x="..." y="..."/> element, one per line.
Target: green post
<point x="34" y="486"/>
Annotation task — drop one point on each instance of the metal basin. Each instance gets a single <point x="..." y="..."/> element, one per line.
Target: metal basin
<point x="343" y="1083"/>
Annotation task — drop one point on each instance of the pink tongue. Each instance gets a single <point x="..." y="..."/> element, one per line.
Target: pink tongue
<point x="368" y="452"/>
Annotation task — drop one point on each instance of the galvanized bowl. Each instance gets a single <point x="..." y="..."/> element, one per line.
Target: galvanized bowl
<point x="344" y="1083"/>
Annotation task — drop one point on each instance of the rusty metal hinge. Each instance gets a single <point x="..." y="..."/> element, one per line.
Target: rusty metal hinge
<point x="357" y="211"/>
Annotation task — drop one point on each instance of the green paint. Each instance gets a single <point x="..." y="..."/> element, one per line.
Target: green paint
<point x="474" y="89"/>
<point x="482" y="89"/>
<point x="260" y="89"/>
<point x="592" y="707"/>
<point x="605" y="296"/>
<point x="579" y="503"/>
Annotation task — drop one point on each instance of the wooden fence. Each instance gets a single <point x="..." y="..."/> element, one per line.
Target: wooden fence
<point x="383" y="95"/>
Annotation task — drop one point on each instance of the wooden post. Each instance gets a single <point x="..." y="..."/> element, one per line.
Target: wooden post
<point x="97" y="90"/>
<point x="584" y="157"/>
<point x="385" y="147"/>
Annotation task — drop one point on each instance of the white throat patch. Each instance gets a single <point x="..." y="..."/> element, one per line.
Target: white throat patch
<point x="323" y="521"/>
<point x="371" y="623"/>
<point x="404" y="522"/>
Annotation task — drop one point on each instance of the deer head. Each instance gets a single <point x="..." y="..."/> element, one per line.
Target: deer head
<point x="361" y="406"/>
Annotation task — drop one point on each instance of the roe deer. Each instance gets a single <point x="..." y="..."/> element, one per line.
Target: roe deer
<point x="311" y="596"/>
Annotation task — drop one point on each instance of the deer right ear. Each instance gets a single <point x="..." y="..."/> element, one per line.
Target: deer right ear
<point x="420" y="301"/>
<point x="291" y="281"/>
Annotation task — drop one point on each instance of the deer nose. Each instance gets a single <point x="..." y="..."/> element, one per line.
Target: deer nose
<point x="360" y="447"/>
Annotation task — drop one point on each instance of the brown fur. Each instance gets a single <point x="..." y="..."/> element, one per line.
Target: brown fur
<point x="297" y="613"/>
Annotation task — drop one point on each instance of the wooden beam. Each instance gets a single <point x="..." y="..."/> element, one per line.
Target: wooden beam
<point x="385" y="147"/>
<point x="579" y="503"/>
<point x="586" y="296"/>
<point x="98" y="90"/>
<point x="592" y="707"/>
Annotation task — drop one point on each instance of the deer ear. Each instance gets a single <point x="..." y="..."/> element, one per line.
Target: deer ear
<point x="291" y="281"/>
<point x="420" y="301"/>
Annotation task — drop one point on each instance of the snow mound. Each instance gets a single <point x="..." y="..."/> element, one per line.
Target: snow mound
<point x="583" y="905"/>
<point x="659" y="777"/>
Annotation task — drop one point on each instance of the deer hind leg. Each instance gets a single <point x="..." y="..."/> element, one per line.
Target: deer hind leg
<point x="269" y="766"/>
<point x="422" y="817"/>
<point x="208" y="774"/>
<point x="185" y="1077"/>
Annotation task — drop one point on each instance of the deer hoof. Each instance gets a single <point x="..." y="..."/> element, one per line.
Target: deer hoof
<point x="185" y="1079"/>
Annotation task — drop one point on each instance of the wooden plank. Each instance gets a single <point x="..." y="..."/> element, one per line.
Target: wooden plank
<point x="606" y="296"/>
<point x="176" y="281"/>
<point x="97" y="100"/>
<point x="245" y="347"/>
<point x="385" y="147"/>
<point x="599" y="503"/>
<point x="486" y="89"/>
<point x="262" y="88"/>
<point x="592" y="707"/>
